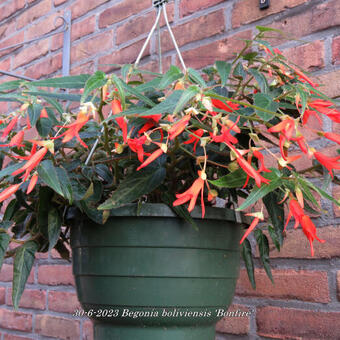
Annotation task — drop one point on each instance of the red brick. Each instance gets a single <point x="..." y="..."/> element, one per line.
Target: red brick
<point x="40" y="255"/>
<point x="2" y="295"/>
<point x="288" y="284"/>
<point x="121" y="11"/>
<point x="59" y="2"/>
<point x="245" y="12"/>
<point x="55" y="275"/>
<point x="60" y="328"/>
<point x="7" y="29"/>
<point x="15" y="320"/>
<point x="63" y="302"/>
<point x="42" y="69"/>
<point x="4" y="107"/>
<point x="282" y="323"/>
<point x="35" y="299"/>
<point x="297" y="246"/>
<point x="219" y="50"/>
<point x="235" y="324"/>
<point x="11" y="8"/>
<point x="123" y="56"/>
<point x="81" y="69"/>
<point x="140" y="25"/>
<point x="330" y="84"/>
<point x="310" y="56"/>
<point x="320" y="17"/>
<point x="87" y="330"/>
<point x="212" y="23"/>
<point x="15" y="337"/>
<point x="5" y="65"/>
<point x="336" y="50"/>
<point x="81" y="7"/>
<point x="6" y="274"/>
<point x="188" y="6"/>
<point x="338" y="284"/>
<point x="83" y="28"/>
<point x="87" y="48"/>
<point x="31" y="53"/>
<point x="33" y="13"/>
<point x="336" y="195"/>
<point x="16" y="39"/>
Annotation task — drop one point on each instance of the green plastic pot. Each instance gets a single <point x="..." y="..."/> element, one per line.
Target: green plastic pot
<point x="147" y="274"/>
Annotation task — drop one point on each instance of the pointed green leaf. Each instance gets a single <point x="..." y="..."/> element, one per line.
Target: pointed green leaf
<point x="196" y="77"/>
<point x="261" y="79"/>
<point x="96" y="81"/>
<point x="235" y="179"/>
<point x="223" y="69"/>
<point x="186" y="96"/>
<point x="10" y="85"/>
<point x="137" y="94"/>
<point x="4" y="242"/>
<point x="34" y="111"/>
<point x="54" y="227"/>
<point x="23" y="263"/>
<point x="134" y="186"/>
<point x="54" y="95"/>
<point x="263" y="244"/>
<point x="262" y="100"/>
<point x="70" y="82"/>
<point x="44" y="126"/>
<point x="120" y="88"/>
<point x="48" y="174"/>
<point x="173" y="74"/>
<point x="248" y="260"/>
<point x="274" y="237"/>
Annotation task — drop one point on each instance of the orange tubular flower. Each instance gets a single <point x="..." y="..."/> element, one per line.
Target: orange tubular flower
<point x="136" y="145"/>
<point x="332" y="136"/>
<point x="260" y="157"/>
<point x="9" y="127"/>
<point x="309" y="230"/>
<point x="74" y="128"/>
<point x="296" y="211"/>
<point x="194" y="139"/>
<point x="32" y="183"/>
<point x="258" y="216"/>
<point x="309" y="113"/>
<point x="302" y="77"/>
<point x="192" y="193"/>
<point x="152" y="120"/>
<point x="116" y="107"/>
<point x="178" y="127"/>
<point x="330" y="163"/>
<point x="162" y="149"/>
<point x="9" y="191"/>
<point x="31" y="163"/>
<point x="43" y="113"/>
<point x="16" y="140"/>
<point x="228" y="106"/>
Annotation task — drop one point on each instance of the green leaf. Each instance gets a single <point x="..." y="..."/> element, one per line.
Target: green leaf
<point x="223" y="69"/>
<point x="134" y="186"/>
<point x="196" y="77"/>
<point x="257" y="193"/>
<point x="65" y="183"/>
<point x="54" y="227"/>
<point x="276" y="213"/>
<point x="9" y="169"/>
<point x="267" y="29"/>
<point x="56" y="105"/>
<point x="94" y="82"/>
<point x="303" y="97"/>
<point x="235" y="179"/>
<point x="34" y="111"/>
<point x="186" y="96"/>
<point x="11" y="208"/>
<point x="23" y="263"/>
<point x="266" y="102"/>
<point x="173" y="74"/>
<point x="48" y="174"/>
<point x="263" y="244"/>
<point x="12" y="97"/>
<point x="45" y="198"/>
<point x="137" y="94"/>
<point x="151" y="85"/>
<point x="307" y="194"/>
<point x="58" y="96"/>
<point x="248" y="260"/>
<point x="4" y="242"/>
<point x="239" y="71"/>
<point x="70" y="82"/>
<point x="266" y="44"/>
<point x="10" y="85"/>
<point x="44" y="126"/>
<point x="274" y="238"/>
<point x="120" y="88"/>
<point x="261" y="79"/>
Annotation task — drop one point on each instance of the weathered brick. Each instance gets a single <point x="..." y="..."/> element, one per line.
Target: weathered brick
<point x="31" y="53"/>
<point x="63" y="302"/>
<point x="42" y="69"/>
<point x="5" y="64"/>
<point x="140" y="25"/>
<point x="188" y="6"/>
<point x="212" y="24"/>
<point x="297" y="246"/>
<point x="83" y="68"/>
<point x="7" y="29"/>
<point x="33" y="13"/>
<point x="15" y="337"/>
<point x="11" y="8"/>
<point x="15" y="320"/>
<point x="285" y="323"/>
<point x="330" y="83"/>
<point x="123" y="56"/>
<point x="60" y="328"/>
<point x="338" y="284"/>
<point x="55" y="275"/>
<point x="59" y="2"/>
<point x="81" y="7"/>
<point x="219" y="50"/>
<point x="87" y="48"/>
<point x="309" y="56"/>
<point x="336" y="50"/>
<point x="336" y="195"/>
<point x="288" y="284"/>
<point x="44" y="26"/>
<point x="15" y="39"/>
<point x="35" y="299"/>
<point x="245" y="11"/>
<point x="121" y="11"/>
<point x="83" y="28"/>
<point x="2" y="295"/>
<point x="6" y="274"/>
<point x="87" y="330"/>
<point x="235" y="324"/>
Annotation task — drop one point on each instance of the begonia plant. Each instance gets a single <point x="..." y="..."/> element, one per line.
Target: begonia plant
<point x="234" y="133"/>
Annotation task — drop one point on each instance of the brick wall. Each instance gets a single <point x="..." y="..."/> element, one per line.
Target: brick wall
<point x="304" y="303"/>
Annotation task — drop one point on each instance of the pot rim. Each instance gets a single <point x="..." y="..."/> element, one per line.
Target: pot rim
<point x="163" y="210"/>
